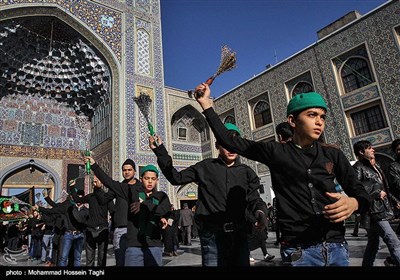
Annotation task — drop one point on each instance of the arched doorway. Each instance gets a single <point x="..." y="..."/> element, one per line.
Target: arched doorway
<point x="30" y="173"/>
<point x="57" y="77"/>
<point x="187" y="194"/>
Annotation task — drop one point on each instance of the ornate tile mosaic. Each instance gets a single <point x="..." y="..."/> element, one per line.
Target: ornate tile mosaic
<point x="375" y="31"/>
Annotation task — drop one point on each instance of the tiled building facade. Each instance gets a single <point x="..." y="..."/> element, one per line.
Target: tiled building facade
<point x="354" y="65"/>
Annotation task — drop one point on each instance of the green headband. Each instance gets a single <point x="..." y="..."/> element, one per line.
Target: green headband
<point x="231" y="126"/>
<point x="304" y="101"/>
<point x="149" y="167"/>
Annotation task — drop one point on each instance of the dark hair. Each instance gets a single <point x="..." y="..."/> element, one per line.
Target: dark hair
<point x="361" y="146"/>
<point x="395" y="143"/>
<point x="284" y="130"/>
<point x="129" y="162"/>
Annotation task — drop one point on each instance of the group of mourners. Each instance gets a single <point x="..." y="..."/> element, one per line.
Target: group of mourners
<point x="310" y="212"/>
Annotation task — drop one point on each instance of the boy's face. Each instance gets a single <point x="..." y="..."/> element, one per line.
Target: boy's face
<point x="149" y="180"/>
<point x="128" y="172"/>
<point x="309" y="124"/>
<point x="226" y="155"/>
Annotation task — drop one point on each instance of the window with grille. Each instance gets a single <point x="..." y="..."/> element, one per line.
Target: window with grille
<point x="355" y="74"/>
<point x="301" y="88"/>
<point x="367" y="120"/>
<point x="182" y="133"/>
<point x="262" y="114"/>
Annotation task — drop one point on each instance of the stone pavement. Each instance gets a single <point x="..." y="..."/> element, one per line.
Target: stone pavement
<point x="190" y="256"/>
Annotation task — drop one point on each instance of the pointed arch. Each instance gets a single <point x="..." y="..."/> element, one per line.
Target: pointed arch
<point x="190" y="118"/>
<point x="262" y="113"/>
<point x="108" y="47"/>
<point x="34" y="163"/>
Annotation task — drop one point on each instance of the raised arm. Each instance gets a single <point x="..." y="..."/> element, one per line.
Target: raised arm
<point x="164" y="161"/>
<point x="74" y="194"/>
<point x="50" y="201"/>
<point x="116" y="186"/>
<point x="247" y="148"/>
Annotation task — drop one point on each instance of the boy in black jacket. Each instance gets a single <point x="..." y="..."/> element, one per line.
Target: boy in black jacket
<point x="310" y="211"/>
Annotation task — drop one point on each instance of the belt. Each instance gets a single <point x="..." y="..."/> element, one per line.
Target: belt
<point x="97" y="228"/>
<point x="73" y="231"/>
<point x="225" y="227"/>
<point x="306" y="244"/>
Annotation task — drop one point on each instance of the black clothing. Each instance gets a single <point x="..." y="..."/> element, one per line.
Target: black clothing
<point x="257" y="238"/>
<point x="12" y="236"/>
<point x="380" y="212"/>
<point x="118" y="210"/>
<point x="36" y="237"/>
<point x="300" y="180"/>
<point x="67" y="208"/>
<point x="97" y="227"/>
<point x="394" y="181"/>
<point x="224" y="192"/>
<point x="143" y="228"/>
<point x="394" y="177"/>
<point x="170" y="234"/>
<point x="49" y="220"/>
<point x="374" y="182"/>
<point x="119" y="219"/>
<point x="98" y="212"/>
<point x="57" y="230"/>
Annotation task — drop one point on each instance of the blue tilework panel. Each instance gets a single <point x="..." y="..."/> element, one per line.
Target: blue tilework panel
<point x="40" y="122"/>
<point x="360" y="97"/>
<point x="378" y="137"/>
<point x="186" y="148"/>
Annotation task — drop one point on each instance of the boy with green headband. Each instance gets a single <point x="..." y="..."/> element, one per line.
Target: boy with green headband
<point x="227" y="189"/>
<point x="147" y="209"/>
<point x="311" y="213"/>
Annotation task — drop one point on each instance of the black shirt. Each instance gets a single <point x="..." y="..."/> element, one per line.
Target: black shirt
<point x="98" y="211"/>
<point x="149" y="215"/>
<point x="66" y="208"/>
<point x="118" y="190"/>
<point x="224" y="192"/>
<point x="299" y="184"/>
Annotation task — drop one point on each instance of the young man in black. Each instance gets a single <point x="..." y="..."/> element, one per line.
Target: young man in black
<point x="311" y="213"/>
<point x="226" y="188"/>
<point x="120" y="210"/>
<point x="97" y="224"/>
<point x="381" y="212"/>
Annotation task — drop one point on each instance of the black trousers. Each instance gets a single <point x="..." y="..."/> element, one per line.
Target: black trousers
<point x="99" y="242"/>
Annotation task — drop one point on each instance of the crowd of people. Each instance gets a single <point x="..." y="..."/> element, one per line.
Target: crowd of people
<point x="230" y="219"/>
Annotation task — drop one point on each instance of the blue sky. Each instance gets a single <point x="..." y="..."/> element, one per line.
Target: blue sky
<point x="261" y="32"/>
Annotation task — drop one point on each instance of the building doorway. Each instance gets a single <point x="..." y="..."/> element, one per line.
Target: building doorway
<point x="190" y="202"/>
